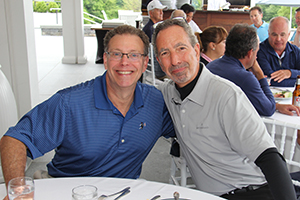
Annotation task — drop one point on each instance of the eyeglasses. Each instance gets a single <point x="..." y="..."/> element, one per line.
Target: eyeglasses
<point x="115" y="55"/>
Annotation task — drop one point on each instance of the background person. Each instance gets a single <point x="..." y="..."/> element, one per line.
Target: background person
<point x="279" y="59"/>
<point x="256" y="15"/>
<point x="224" y="141"/>
<point x="155" y="12"/>
<point x="178" y="13"/>
<point x="104" y="127"/>
<point x="212" y="43"/>
<point x="190" y="11"/>
<point x="237" y="66"/>
<point x="295" y="39"/>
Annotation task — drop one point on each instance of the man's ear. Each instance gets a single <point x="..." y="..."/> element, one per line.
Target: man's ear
<point x="250" y="53"/>
<point x="197" y="50"/>
<point x="145" y="64"/>
<point x="105" y="60"/>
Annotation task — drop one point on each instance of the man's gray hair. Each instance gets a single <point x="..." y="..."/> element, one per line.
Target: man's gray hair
<point x="178" y="13"/>
<point x="173" y="22"/>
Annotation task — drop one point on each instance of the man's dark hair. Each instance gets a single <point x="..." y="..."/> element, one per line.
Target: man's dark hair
<point x="298" y="9"/>
<point x="241" y="39"/>
<point x="187" y="8"/>
<point x="126" y="29"/>
<point x="257" y="8"/>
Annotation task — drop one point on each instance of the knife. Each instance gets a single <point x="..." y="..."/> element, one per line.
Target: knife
<point x="123" y="194"/>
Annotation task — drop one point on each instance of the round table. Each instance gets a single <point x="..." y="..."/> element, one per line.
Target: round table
<point x="61" y="188"/>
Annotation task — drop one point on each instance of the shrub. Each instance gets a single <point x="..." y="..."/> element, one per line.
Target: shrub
<point x="40" y="6"/>
<point x="52" y="5"/>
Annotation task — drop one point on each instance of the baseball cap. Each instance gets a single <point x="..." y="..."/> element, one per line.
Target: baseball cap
<point x="156" y="4"/>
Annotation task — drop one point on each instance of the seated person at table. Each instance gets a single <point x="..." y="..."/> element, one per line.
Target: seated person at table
<point x="237" y="66"/>
<point x="256" y="15"/>
<point x="178" y="14"/>
<point x="212" y="43"/>
<point x="155" y="12"/>
<point x="190" y="11"/>
<point x="104" y="127"/>
<point x="224" y="141"/>
<point x="279" y="59"/>
<point x="295" y="39"/>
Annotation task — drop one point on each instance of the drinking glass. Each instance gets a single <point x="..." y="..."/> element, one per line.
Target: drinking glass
<point x="21" y="188"/>
<point x="84" y="192"/>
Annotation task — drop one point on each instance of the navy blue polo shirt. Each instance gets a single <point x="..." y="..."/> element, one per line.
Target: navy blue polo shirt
<point x="90" y="136"/>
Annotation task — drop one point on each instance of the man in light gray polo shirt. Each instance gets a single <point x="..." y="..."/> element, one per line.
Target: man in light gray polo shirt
<point x="225" y="143"/>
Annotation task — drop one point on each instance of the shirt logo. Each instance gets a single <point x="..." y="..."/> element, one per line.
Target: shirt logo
<point x="142" y="125"/>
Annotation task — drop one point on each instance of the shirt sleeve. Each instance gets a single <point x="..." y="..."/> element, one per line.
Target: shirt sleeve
<point x="263" y="62"/>
<point x="259" y="94"/>
<point x="42" y="128"/>
<point x="273" y="166"/>
<point x="244" y="127"/>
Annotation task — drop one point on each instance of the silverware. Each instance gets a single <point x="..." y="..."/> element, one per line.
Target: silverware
<point x="123" y="194"/>
<point x="155" y="197"/>
<point x="105" y="196"/>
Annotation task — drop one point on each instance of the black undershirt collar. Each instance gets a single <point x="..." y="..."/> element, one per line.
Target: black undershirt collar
<point x="186" y="90"/>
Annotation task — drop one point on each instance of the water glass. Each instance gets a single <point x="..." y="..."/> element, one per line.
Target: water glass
<point x="21" y="188"/>
<point x="85" y="192"/>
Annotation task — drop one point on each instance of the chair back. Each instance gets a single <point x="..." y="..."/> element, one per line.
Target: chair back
<point x="284" y="136"/>
<point x="149" y="74"/>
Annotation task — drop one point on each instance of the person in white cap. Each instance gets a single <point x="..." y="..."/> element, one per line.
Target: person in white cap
<point x="155" y="11"/>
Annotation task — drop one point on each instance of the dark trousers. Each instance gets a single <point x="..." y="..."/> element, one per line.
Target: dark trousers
<point x="262" y="193"/>
<point x="296" y="176"/>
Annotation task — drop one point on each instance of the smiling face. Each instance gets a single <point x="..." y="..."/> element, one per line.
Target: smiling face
<point x="124" y="73"/>
<point x="177" y="57"/>
<point x="278" y="34"/>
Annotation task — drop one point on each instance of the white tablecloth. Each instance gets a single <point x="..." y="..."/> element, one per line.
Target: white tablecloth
<point x="61" y="189"/>
<point x="291" y="120"/>
<point x="282" y="117"/>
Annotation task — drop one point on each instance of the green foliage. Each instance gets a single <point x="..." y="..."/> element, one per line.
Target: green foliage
<point x="197" y="4"/>
<point x="52" y="5"/>
<point x="88" y="17"/>
<point x="271" y="11"/>
<point x="134" y="5"/>
<point x="95" y="7"/>
<point x="40" y="6"/>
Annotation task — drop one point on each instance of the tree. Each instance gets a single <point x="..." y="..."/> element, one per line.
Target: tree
<point x="134" y="5"/>
<point x="95" y="7"/>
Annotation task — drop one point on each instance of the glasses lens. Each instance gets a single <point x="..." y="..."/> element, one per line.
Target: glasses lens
<point x="134" y="56"/>
<point x="116" y="55"/>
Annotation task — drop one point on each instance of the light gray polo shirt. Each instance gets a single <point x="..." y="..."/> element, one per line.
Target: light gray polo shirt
<point x="220" y="133"/>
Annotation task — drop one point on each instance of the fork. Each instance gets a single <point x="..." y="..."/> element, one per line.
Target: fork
<point x="103" y="196"/>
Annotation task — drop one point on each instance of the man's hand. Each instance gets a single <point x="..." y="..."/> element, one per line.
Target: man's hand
<point x="257" y="71"/>
<point x="287" y="109"/>
<point x="280" y="75"/>
<point x="6" y="198"/>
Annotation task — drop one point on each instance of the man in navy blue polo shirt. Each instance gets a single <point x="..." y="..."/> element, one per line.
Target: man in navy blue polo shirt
<point x="104" y="127"/>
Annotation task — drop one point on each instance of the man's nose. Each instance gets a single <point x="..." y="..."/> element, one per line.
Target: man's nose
<point x="175" y="58"/>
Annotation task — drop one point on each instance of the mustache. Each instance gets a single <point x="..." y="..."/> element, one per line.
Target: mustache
<point x="175" y="67"/>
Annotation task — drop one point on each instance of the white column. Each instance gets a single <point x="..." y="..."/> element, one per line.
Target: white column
<point x="17" y="52"/>
<point x="73" y="32"/>
<point x="252" y="3"/>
